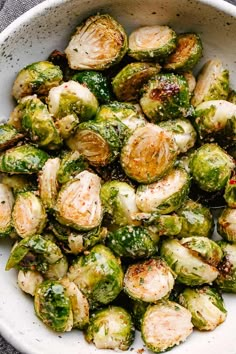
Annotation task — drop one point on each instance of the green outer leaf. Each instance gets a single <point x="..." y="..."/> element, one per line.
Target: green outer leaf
<point x="8" y="136"/>
<point x="72" y="163"/>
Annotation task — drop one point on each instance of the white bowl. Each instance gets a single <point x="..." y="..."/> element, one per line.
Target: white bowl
<point x="31" y="38"/>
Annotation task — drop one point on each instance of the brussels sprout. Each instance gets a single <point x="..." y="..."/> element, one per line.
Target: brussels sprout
<point x="190" y="268"/>
<point x="8" y="136"/>
<point x="19" y="183"/>
<point x="67" y="125"/>
<point x="230" y="192"/>
<point x="216" y="120"/>
<point x="232" y="96"/>
<point x="137" y="310"/>
<point x="183" y="132"/>
<point x="151" y="42"/>
<point x="111" y="328"/>
<point x="197" y="220"/>
<point x="165" y="96"/>
<point x="72" y="163"/>
<point x="169" y="225"/>
<point x="53" y="306"/>
<point x="37" y="78"/>
<point x="23" y="159"/>
<point x="118" y="199"/>
<point x="48" y="185"/>
<point x="56" y="270"/>
<point x="165" y="325"/>
<point x="99" y="142"/>
<point x="148" y="153"/>
<point x="72" y="98"/>
<point x="226" y="280"/>
<point x="6" y="206"/>
<point x="29" y="280"/>
<point x="190" y="78"/>
<point x="186" y="54"/>
<point x="98" y="275"/>
<point x="212" y="83"/>
<point x="226" y="224"/>
<point x="29" y="216"/>
<point x="206" y="306"/>
<point x="165" y="195"/>
<point x="148" y="281"/>
<point x="211" y="167"/>
<point x="78" y="204"/>
<point x="98" y="43"/>
<point x="132" y="242"/>
<point x="128" y="82"/>
<point x="97" y="83"/>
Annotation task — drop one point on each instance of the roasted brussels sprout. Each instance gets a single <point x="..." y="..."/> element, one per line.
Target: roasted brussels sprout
<point x="165" y="195"/>
<point x="8" y="136"/>
<point x="53" y="306"/>
<point x="19" y="183"/>
<point x="186" y="54"/>
<point x="226" y="224"/>
<point x="212" y="83"/>
<point x="98" y="43"/>
<point x="23" y="159"/>
<point x="72" y="98"/>
<point x="37" y="78"/>
<point x="226" y="280"/>
<point x="197" y="220"/>
<point x="169" y="225"/>
<point x="118" y="199"/>
<point x="137" y="310"/>
<point x="111" y="328"/>
<point x="149" y="281"/>
<point x="151" y="42"/>
<point x="148" y="153"/>
<point x="230" y="192"/>
<point x="190" y="78"/>
<point x="48" y="185"/>
<point x="211" y="167"/>
<point x="6" y="206"/>
<point x="190" y="267"/>
<point x="97" y="83"/>
<point x="29" y="280"/>
<point x="232" y="96"/>
<point x="165" y="96"/>
<point x="206" y="306"/>
<point x="183" y="132"/>
<point x="72" y="163"/>
<point x="56" y="270"/>
<point x="78" y="204"/>
<point x="98" y="275"/>
<point x="67" y="125"/>
<point x="132" y="242"/>
<point x="165" y="325"/>
<point x="128" y="82"/>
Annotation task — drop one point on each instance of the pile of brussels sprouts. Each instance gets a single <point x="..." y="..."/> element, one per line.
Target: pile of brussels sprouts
<point x="103" y="162"/>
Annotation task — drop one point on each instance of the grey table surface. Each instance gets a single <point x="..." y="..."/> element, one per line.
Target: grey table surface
<point x="9" y="10"/>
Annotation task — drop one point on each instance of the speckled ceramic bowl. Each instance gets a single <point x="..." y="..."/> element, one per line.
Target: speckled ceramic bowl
<point x="31" y="38"/>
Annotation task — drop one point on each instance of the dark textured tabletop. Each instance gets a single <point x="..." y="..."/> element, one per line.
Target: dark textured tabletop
<point x="9" y="10"/>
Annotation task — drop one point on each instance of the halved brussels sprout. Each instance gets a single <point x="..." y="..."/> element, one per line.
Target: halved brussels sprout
<point x="118" y="199"/>
<point x="151" y="42"/>
<point x="111" y="328"/>
<point x="48" y="185"/>
<point x="149" y="281"/>
<point x="29" y="216"/>
<point x="8" y="136"/>
<point x="226" y="224"/>
<point x="6" y="206"/>
<point x="169" y="225"/>
<point x="29" y="280"/>
<point x="186" y="54"/>
<point x="56" y="270"/>
<point x="132" y="242"/>
<point x="97" y="83"/>
<point x="72" y="163"/>
<point x="165" y="96"/>
<point x="78" y="204"/>
<point x="230" y="192"/>
<point x="165" y="325"/>
<point x="99" y="142"/>
<point x="53" y="306"/>
<point x="232" y="96"/>
<point x="98" y="43"/>
<point x="183" y="132"/>
<point x="190" y="267"/>
<point x="23" y="159"/>
<point x="98" y="275"/>
<point x="128" y="82"/>
<point x="137" y="310"/>
<point x="165" y="195"/>
<point x="211" y="167"/>
<point x="19" y="183"/>
<point x="212" y="83"/>
<point x="37" y="78"/>
<point x="67" y="125"/>
<point x="206" y="306"/>
<point x="226" y="280"/>
<point x="72" y="98"/>
<point x="148" y="153"/>
<point x="190" y="78"/>
<point x="197" y="220"/>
